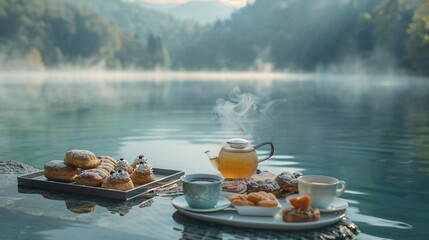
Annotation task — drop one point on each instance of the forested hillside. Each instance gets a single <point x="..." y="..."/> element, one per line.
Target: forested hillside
<point x="268" y="35"/>
<point x="142" y="22"/>
<point x="49" y="33"/>
<point x="308" y="35"/>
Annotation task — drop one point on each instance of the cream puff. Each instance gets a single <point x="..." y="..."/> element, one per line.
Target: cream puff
<point x="143" y="174"/>
<point x="140" y="158"/>
<point x="119" y="180"/>
<point x="123" y="165"/>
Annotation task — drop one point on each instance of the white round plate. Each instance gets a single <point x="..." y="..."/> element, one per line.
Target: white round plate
<point x="230" y="217"/>
<point x="337" y="205"/>
<point x="180" y="203"/>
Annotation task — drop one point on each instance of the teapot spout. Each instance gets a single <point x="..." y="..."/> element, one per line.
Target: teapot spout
<point x="213" y="159"/>
<point x="210" y="154"/>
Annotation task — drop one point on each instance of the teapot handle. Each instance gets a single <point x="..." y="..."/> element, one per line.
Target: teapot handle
<point x="271" y="150"/>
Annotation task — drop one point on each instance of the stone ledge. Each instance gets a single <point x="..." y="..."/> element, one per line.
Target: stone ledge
<point x="15" y="167"/>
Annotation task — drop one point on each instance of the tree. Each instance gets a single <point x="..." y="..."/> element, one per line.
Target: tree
<point x="130" y="54"/>
<point x="156" y="53"/>
<point x="391" y="19"/>
<point x="35" y="60"/>
<point x="418" y="43"/>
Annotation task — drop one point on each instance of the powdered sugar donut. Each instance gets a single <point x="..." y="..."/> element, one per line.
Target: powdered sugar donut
<point x="82" y="159"/>
<point x="57" y="170"/>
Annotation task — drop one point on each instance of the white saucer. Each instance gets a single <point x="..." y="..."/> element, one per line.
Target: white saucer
<point x="180" y="202"/>
<point x="337" y="205"/>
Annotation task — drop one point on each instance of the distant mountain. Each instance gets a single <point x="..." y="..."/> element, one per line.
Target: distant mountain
<point x="204" y="12"/>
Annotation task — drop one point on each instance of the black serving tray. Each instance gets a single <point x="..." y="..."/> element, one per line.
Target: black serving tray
<point x="163" y="177"/>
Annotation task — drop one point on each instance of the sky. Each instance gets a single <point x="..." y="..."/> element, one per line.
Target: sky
<point x="234" y="3"/>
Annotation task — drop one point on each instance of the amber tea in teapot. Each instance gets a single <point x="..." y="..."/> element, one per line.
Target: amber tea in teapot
<point x="238" y="159"/>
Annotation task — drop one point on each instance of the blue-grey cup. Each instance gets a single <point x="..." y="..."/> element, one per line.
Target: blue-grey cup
<point x="202" y="190"/>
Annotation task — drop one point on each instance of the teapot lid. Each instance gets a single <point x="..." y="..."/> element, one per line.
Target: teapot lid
<point x="238" y="143"/>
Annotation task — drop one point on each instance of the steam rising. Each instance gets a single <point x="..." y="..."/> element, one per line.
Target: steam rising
<point x="244" y="112"/>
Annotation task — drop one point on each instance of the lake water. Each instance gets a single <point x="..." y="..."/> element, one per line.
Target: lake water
<point x="371" y="131"/>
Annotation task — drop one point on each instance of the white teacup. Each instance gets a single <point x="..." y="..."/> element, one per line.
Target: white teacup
<point x="321" y="189"/>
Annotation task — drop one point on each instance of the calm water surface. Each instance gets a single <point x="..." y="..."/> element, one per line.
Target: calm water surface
<point x="372" y="132"/>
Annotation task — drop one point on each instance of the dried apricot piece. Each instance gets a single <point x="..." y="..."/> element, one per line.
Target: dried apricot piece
<point x="302" y="202"/>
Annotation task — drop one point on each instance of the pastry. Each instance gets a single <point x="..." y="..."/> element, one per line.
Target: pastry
<point x="108" y="163"/>
<point x="300" y="210"/>
<point x="266" y="185"/>
<point x="89" y="178"/>
<point x="234" y="186"/>
<point x="143" y="174"/>
<point x="57" y="170"/>
<point x="123" y="165"/>
<point x="95" y="176"/>
<point x="288" y="181"/>
<point x="103" y="173"/>
<point x="140" y="158"/>
<point x="268" y="203"/>
<point x="82" y="159"/>
<point x="106" y="167"/>
<point x="119" y="180"/>
<point x="261" y="199"/>
<point x="242" y="202"/>
<point x="107" y="159"/>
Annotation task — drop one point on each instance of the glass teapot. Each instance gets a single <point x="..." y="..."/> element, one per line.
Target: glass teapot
<point x="238" y="159"/>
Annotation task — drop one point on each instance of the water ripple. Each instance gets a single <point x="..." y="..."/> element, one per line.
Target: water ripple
<point x="375" y="221"/>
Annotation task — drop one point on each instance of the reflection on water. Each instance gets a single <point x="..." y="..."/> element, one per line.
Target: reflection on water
<point x="82" y="204"/>
<point x="369" y="131"/>
<point x="375" y="221"/>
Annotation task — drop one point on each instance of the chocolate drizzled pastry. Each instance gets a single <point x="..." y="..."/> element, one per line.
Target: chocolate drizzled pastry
<point x="266" y="185"/>
<point x="234" y="186"/>
<point x="288" y="182"/>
